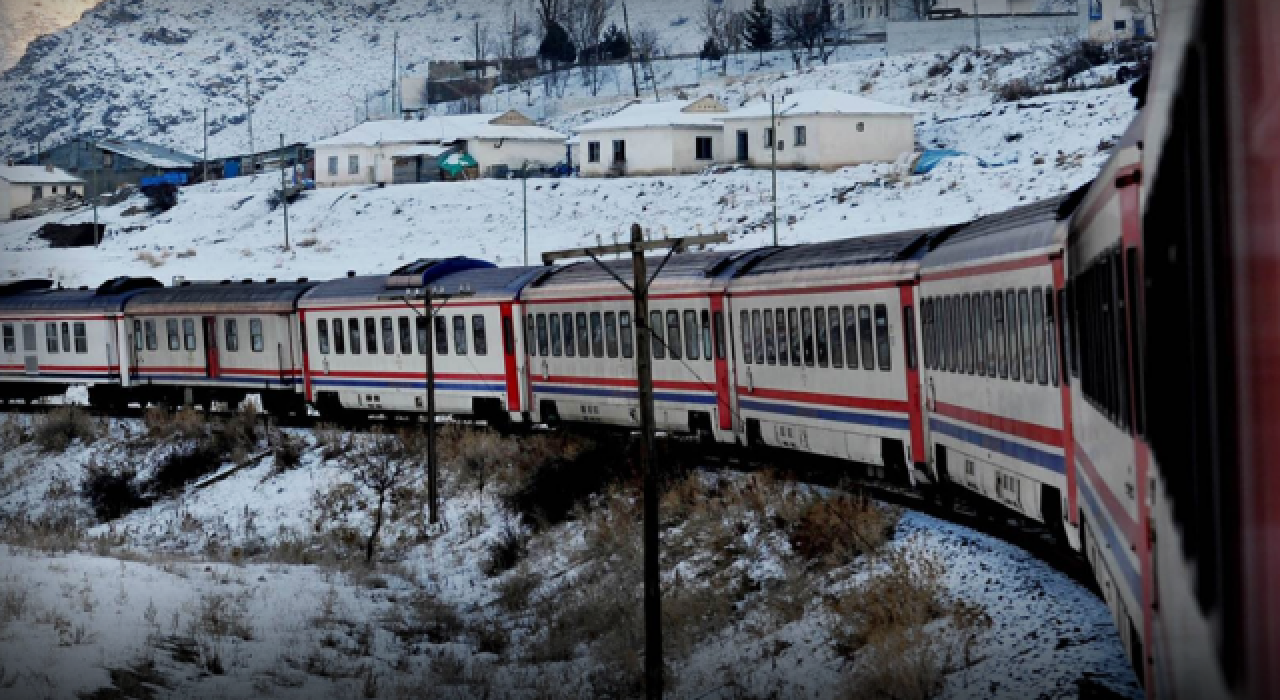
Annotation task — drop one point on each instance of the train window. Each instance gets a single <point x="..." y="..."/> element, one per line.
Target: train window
<point x="371" y="336"/>
<point x="868" y="342"/>
<point x="770" y="347"/>
<point x="882" y="337"/>
<point x="597" y="335"/>
<point x="746" y="337"/>
<point x="806" y="328"/>
<point x="584" y="336"/>
<point x="79" y="332"/>
<point x="691" y="334"/>
<point x="1050" y="337"/>
<point x="1011" y="339"/>
<point x="997" y="312"/>
<point x="967" y="340"/>
<point x="706" y="335"/>
<point x="508" y="336"/>
<point x="1062" y="329"/>
<point x="543" y="344"/>
<point x="780" y="332"/>
<point x="989" y="323"/>
<point x="152" y="342"/>
<point x="611" y="334"/>
<point x="1037" y="333"/>
<point x="423" y="335"/>
<point x="837" y="348"/>
<point x="673" y="334"/>
<point x="322" y="336"/>
<point x="188" y="333"/>
<point x="944" y="333"/>
<point x="171" y="329"/>
<point x="719" y="334"/>
<point x="1122" y="319"/>
<point x="909" y="334"/>
<point x="1024" y="329"/>
<point x="757" y="337"/>
<point x="11" y="340"/>
<point x="851" y="336"/>
<point x="981" y="327"/>
<point x="567" y="324"/>
<point x="479" y="339"/>
<point x="926" y="325"/>
<point x="137" y="335"/>
<point x="353" y="335"/>
<point x="953" y="334"/>
<point x="460" y="334"/>
<point x="66" y="337"/>
<point x="51" y="338"/>
<point x="624" y="323"/>
<point x="820" y="335"/>
<point x="528" y="336"/>
<point x="442" y="336"/>
<point x="656" y="342"/>
<point x="406" y="335"/>
<point x="553" y="327"/>
<point x="793" y="330"/>
<point x="388" y="336"/>
<point x="255" y="335"/>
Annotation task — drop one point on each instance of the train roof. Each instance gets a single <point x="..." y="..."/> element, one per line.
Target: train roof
<point x="1025" y="229"/>
<point x="486" y="282"/>
<point x="875" y="249"/>
<point x="225" y="297"/>
<point x="682" y="269"/>
<point x="40" y="295"/>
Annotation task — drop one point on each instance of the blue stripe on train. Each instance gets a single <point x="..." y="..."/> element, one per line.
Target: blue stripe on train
<point x="1119" y="549"/>
<point x="840" y="416"/>
<point x="674" y="397"/>
<point x="1023" y="453"/>
<point x="409" y="384"/>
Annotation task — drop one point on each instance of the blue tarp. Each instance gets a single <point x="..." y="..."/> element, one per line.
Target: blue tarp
<point x="231" y="168"/>
<point x="166" y="179"/>
<point x="930" y="159"/>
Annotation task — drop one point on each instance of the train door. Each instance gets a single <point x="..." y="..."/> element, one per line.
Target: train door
<point x="510" y="371"/>
<point x="724" y="408"/>
<point x="915" y="405"/>
<point x="113" y="355"/>
<point x="211" y="360"/>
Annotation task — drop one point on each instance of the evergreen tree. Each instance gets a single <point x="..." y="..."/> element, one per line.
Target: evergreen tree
<point x="711" y="51"/>
<point x="556" y="46"/>
<point x="757" y="28"/>
<point x="614" y="45"/>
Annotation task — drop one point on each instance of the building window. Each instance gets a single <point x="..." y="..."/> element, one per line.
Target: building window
<point x="801" y="136"/>
<point x="619" y="151"/>
<point x="768" y="137"/>
<point x="861" y="127"/>
<point x="1119" y="25"/>
<point x="333" y="165"/>
<point x="353" y="165"/>
<point x="1139" y="27"/>
<point x="37" y="192"/>
<point x="702" y="148"/>
<point x="255" y="335"/>
<point x="593" y="151"/>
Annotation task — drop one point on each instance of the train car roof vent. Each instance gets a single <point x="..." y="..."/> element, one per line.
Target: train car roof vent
<point x="19" y="286"/>
<point x="225" y="282"/>
<point x="84" y="287"/>
<point x="302" y="280"/>
<point x="271" y="280"/>
<point x="120" y="285"/>
<point x="246" y="281"/>
<point x="186" y="283"/>
<point x="351" y="273"/>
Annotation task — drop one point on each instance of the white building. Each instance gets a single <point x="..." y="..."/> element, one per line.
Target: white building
<point x="1123" y="19"/>
<point x="662" y="138"/>
<point x="820" y="129"/>
<point x="498" y="143"/>
<point x="21" y="185"/>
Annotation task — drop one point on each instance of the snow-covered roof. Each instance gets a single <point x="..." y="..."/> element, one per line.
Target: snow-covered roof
<point x="429" y="150"/>
<point x="676" y="113"/>
<point x="149" y="153"/>
<point x="809" y="102"/>
<point x="438" y="129"/>
<point x="37" y="175"/>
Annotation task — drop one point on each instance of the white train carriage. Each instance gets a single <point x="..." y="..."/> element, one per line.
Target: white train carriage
<point x="197" y="343"/>
<point x="824" y="351"/>
<point x="366" y="352"/>
<point x="997" y="400"/>
<point x="580" y="336"/>
<point x="56" y="338"/>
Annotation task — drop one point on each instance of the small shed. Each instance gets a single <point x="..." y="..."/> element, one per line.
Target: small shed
<point x="20" y="185"/>
<point x="820" y="129"/>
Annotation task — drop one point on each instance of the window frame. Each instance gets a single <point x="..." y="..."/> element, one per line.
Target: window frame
<point x="322" y="335"/>
<point x="172" y="334"/>
<point x="593" y="151"/>
<point x="257" y="339"/>
<point x="849" y="312"/>
<point x="405" y="331"/>
<point x="555" y="333"/>
<point x="748" y="356"/>
<point x="836" y="337"/>
<point x="820" y="336"/>
<point x="10" y="334"/>
<point x="460" y="335"/>
<point x="440" y="329"/>
<point x="626" y="341"/>
<point x="884" y="341"/>
<point x="867" y="335"/>
<point x="566" y="327"/>
<point x="353" y="335"/>
<point x="339" y="330"/>
<point x="388" y="327"/>
<point x="153" y="338"/>
<point x="657" y="344"/>
<point x="597" y="334"/>
<point x="692" y="335"/>
<point x="770" y="346"/>
<point x="793" y="334"/>
<point x="371" y="335"/>
<point x="51" y="337"/>
<point x="80" y="337"/>
<point x="698" y="148"/>
<point x="544" y="335"/>
<point x="611" y="334"/>
<point x="799" y="136"/>
<point x="757" y="336"/>
<point x="353" y="163"/>
<point x="674" y="342"/>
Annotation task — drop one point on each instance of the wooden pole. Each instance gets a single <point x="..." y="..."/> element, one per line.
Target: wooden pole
<point x="432" y="490"/>
<point x="773" y="154"/>
<point x="248" y="99"/>
<point x="284" y="193"/>
<point x="635" y="81"/>
<point x="204" y="175"/>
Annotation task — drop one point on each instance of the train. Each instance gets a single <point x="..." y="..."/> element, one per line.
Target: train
<point x="1039" y="359"/>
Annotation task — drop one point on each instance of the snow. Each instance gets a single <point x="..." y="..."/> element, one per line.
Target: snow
<point x="819" y="102"/>
<point x="36" y="175"/>
<point x="654" y="114"/>
<point x="437" y="129"/>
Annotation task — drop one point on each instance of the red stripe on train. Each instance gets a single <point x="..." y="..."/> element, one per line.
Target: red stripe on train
<point x="1009" y="426"/>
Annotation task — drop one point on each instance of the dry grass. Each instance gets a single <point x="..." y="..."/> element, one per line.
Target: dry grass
<point x="163" y="424"/>
<point x="14" y="432"/>
<point x="56" y="430"/>
<point x="152" y="259"/>
<point x="838" y="527"/>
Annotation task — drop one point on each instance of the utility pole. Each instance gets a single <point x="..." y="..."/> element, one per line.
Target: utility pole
<point x="635" y="81"/>
<point x="395" y="72"/>
<point x="524" y="196"/>
<point x="284" y="193"/>
<point x="248" y="100"/>
<point x="639" y="289"/>
<point x="977" y="27"/>
<point x="773" y="155"/>
<point x="205" y="165"/>
<point x="94" y="183"/>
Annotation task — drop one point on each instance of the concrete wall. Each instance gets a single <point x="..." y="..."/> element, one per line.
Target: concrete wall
<point x="651" y="151"/>
<point x="947" y="34"/>
<point x="13" y="196"/>
<point x="832" y="141"/>
<point x="513" y="154"/>
<point x="1116" y="11"/>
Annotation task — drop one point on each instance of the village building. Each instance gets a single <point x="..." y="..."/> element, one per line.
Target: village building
<point x="20" y="185"/>
<point x="819" y="129"/>
<point x="662" y="138"/>
<point x="418" y="150"/>
<point x="107" y="164"/>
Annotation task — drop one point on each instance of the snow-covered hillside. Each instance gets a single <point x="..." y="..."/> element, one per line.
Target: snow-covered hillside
<point x="1016" y="152"/>
<point x="146" y="68"/>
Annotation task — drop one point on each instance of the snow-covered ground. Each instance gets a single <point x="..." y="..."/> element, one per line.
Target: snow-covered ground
<point x="213" y="573"/>
<point x="1015" y="153"/>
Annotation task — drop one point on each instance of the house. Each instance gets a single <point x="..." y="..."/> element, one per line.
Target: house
<point x="21" y="185"/>
<point x="1123" y="19"/>
<point x="106" y="164"/>
<point x="375" y="151"/>
<point x="820" y="129"/>
<point x="661" y="138"/>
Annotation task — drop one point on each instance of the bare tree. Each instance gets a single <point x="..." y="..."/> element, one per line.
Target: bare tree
<point x="911" y="9"/>
<point x="584" y="20"/>
<point x="380" y="464"/>
<point x="716" y="24"/>
<point x="806" y="23"/>
<point x="548" y="11"/>
<point x="480" y="47"/>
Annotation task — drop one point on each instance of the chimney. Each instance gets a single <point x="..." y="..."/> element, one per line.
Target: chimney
<point x="48" y="167"/>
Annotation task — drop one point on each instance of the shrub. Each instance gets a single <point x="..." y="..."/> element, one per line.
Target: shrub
<point x="904" y="595"/>
<point x="163" y="424"/>
<point x="111" y="492"/>
<point x="287" y="450"/>
<point x="56" y="430"/>
<point x="432" y="619"/>
<point x="516" y="590"/>
<point x="13" y="432"/>
<point x="182" y="467"/>
<point x="940" y="68"/>
<point x="839" y="527"/>
<point x="546" y="494"/>
<point x="1018" y="89"/>
<point x="507" y="550"/>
